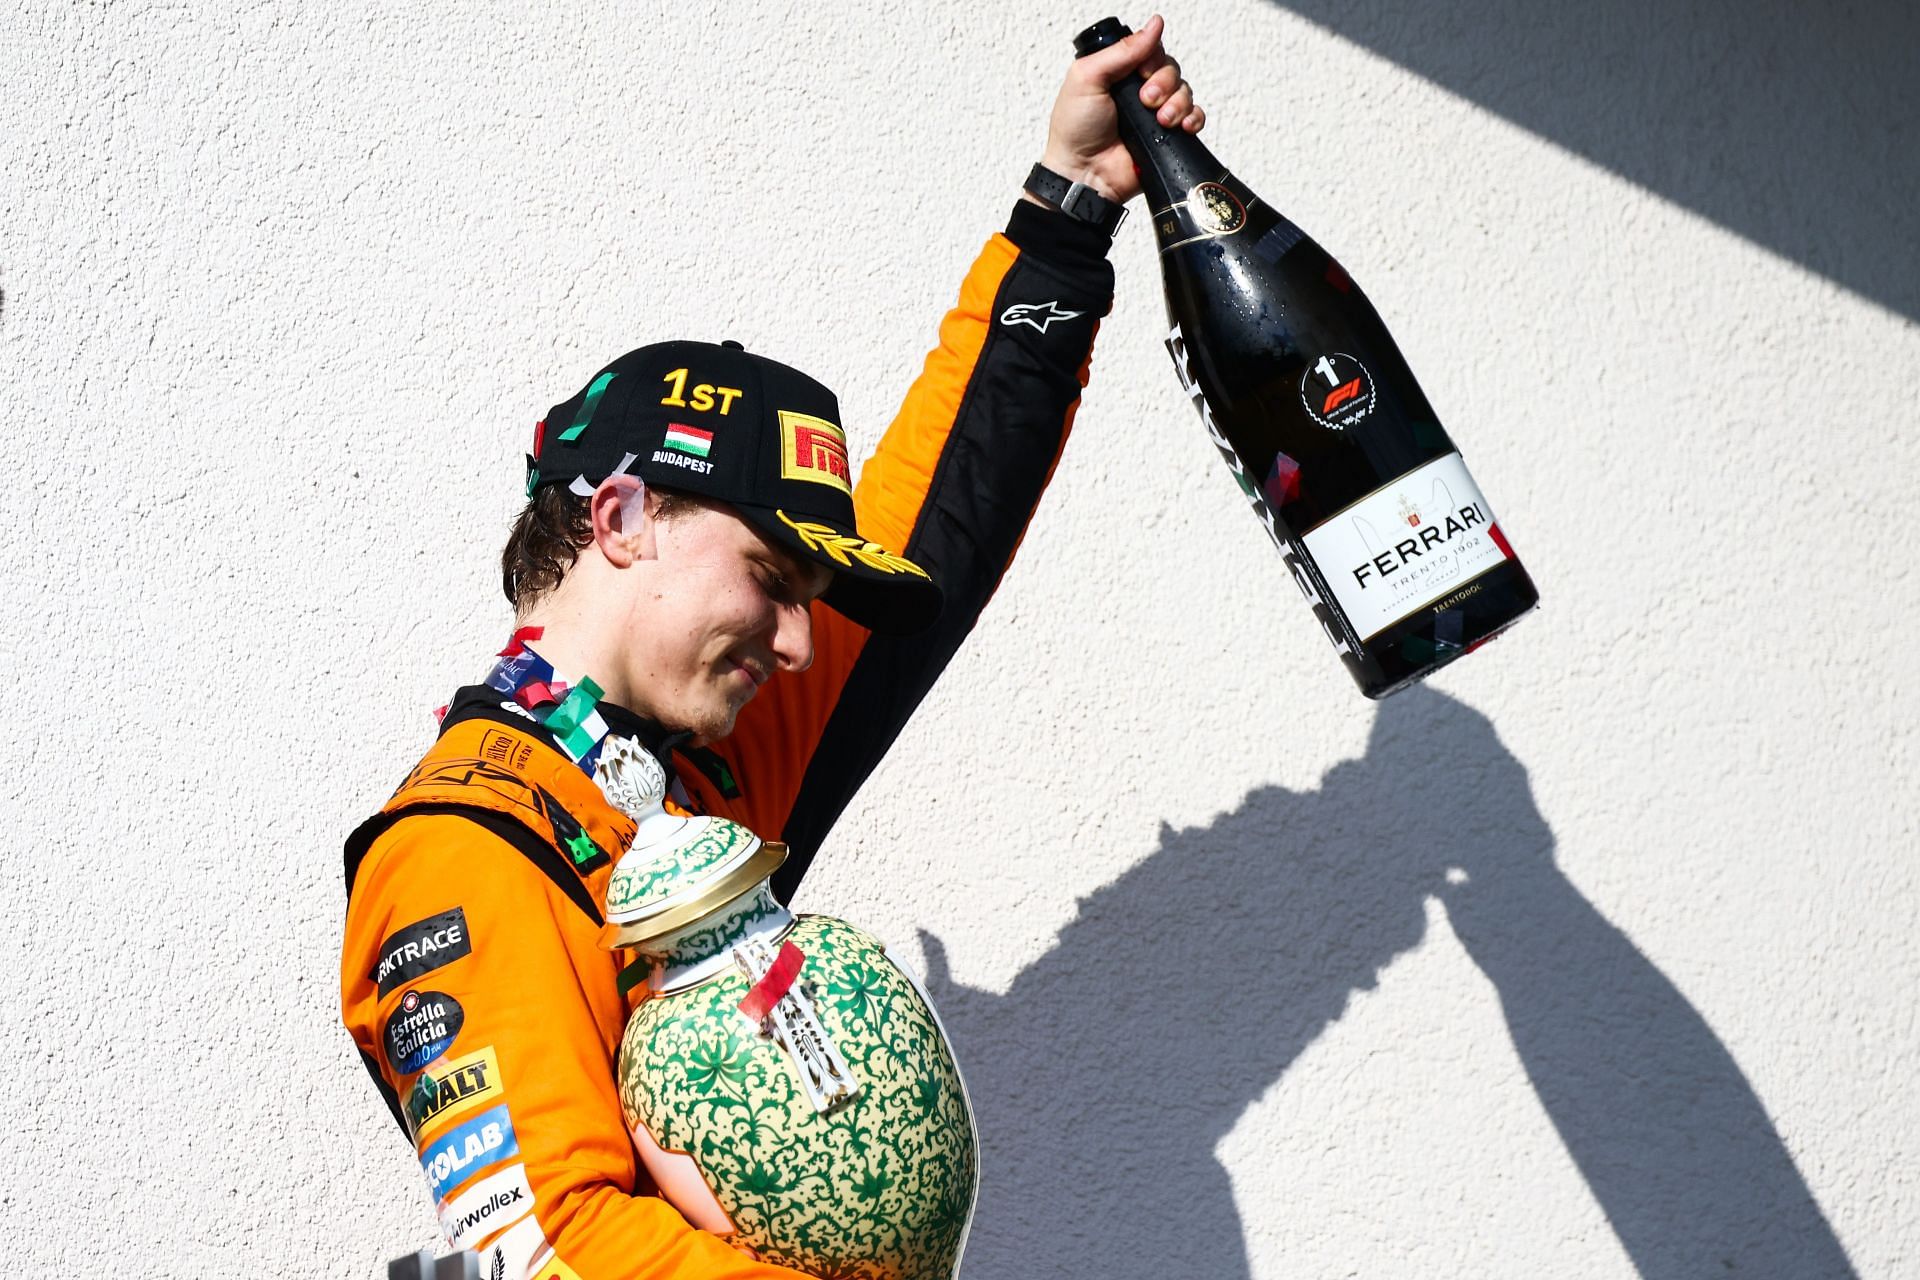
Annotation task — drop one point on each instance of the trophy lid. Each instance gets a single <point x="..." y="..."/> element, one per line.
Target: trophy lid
<point x="678" y="868"/>
<point x="670" y="881"/>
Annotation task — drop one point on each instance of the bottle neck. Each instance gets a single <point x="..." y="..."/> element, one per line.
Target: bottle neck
<point x="1171" y="162"/>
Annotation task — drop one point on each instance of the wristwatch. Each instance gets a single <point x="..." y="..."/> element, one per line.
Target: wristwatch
<point x="1075" y="199"/>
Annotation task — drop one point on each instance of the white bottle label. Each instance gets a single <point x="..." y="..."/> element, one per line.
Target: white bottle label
<point x="1407" y="544"/>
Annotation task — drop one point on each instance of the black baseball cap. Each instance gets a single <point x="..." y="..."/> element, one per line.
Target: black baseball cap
<point x="764" y="438"/>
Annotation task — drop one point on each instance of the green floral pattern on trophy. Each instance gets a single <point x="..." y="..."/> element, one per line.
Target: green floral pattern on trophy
<point x="716" y="934"/>
<point x="880" y="1187"/>
<point x="682" y="865"/>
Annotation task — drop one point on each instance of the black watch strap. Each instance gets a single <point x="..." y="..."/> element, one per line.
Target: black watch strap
<point x="1075" y="199"/>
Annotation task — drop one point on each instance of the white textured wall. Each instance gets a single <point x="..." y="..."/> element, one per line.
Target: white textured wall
<point x="1595" y="957"/>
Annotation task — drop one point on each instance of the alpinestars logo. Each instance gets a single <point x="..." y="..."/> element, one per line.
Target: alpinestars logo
<point x="1037" y="314"/>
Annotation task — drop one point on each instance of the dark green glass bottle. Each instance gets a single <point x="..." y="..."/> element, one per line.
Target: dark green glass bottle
<point x="1319" y="418"/>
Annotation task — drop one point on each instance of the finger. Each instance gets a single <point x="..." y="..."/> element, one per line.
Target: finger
<point x="1115" y="62"/>
<point x="1160" y="84"/>
<point x="1196" y="120"/>
<point x="1177" y="106"/>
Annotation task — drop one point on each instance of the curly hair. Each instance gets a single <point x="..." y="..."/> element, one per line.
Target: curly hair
<point x="551" y="531"/>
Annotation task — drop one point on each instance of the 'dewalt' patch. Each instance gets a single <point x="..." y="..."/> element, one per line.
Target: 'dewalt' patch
<point x="458" y="1086"/>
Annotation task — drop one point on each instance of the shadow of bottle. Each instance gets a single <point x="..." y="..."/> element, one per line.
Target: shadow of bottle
<point x="1108" y="1073"/>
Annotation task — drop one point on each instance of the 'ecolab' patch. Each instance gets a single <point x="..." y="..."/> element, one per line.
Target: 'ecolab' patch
<point x="486" y="1139"/>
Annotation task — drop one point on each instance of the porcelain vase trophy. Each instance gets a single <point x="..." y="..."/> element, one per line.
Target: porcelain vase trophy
<point x="786" y="1083"/>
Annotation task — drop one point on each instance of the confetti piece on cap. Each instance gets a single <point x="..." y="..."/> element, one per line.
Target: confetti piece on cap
<point x="595" y="389"/>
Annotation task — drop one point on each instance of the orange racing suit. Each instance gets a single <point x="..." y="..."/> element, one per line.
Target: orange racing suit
<point x="471" y="975"/>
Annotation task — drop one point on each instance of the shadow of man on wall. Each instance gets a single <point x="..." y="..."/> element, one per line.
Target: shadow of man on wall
<point x="1104" y="1079"/>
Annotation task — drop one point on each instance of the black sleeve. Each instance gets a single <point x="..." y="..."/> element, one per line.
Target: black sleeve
<point x="1008" y="428"/>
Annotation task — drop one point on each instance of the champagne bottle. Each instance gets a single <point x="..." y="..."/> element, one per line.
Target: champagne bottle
<point x="1319" y="418"/>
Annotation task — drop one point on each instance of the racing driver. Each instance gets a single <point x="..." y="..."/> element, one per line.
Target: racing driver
<point x="695" y="570"/>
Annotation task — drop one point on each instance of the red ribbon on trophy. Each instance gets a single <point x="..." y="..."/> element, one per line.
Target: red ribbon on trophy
<point x="766" y="993"/>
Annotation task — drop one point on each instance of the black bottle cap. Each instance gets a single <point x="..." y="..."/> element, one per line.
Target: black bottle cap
<point x="1098" y="36"/>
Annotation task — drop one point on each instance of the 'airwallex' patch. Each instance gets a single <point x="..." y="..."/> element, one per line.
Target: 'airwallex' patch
<point x="421" y="1029"/>
<point x="420" y="948"/>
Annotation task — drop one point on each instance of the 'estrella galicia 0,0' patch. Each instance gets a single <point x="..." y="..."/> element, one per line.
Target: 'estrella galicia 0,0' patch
<point x="420" y="948"/>
<point x="421" y="1029"/>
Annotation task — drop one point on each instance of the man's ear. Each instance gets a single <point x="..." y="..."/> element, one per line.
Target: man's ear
<point x="622" y="529"/>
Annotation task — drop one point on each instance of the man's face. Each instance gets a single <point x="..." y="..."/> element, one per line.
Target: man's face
<point x="722" y="610"/>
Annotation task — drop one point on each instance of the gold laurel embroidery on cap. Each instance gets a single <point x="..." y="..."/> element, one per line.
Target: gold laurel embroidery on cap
<point x="820" y="537"/>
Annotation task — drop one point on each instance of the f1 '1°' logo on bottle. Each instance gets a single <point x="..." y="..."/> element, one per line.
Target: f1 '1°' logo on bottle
<point x="1336" y="391"/>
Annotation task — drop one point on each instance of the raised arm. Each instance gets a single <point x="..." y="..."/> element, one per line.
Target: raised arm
<point x="956" y="477"/>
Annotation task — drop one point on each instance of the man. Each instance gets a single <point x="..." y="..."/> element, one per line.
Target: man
<point x="695" y="570"/>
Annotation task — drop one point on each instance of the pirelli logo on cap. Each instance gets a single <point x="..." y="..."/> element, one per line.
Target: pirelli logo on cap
<point x="813" y="449"/>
